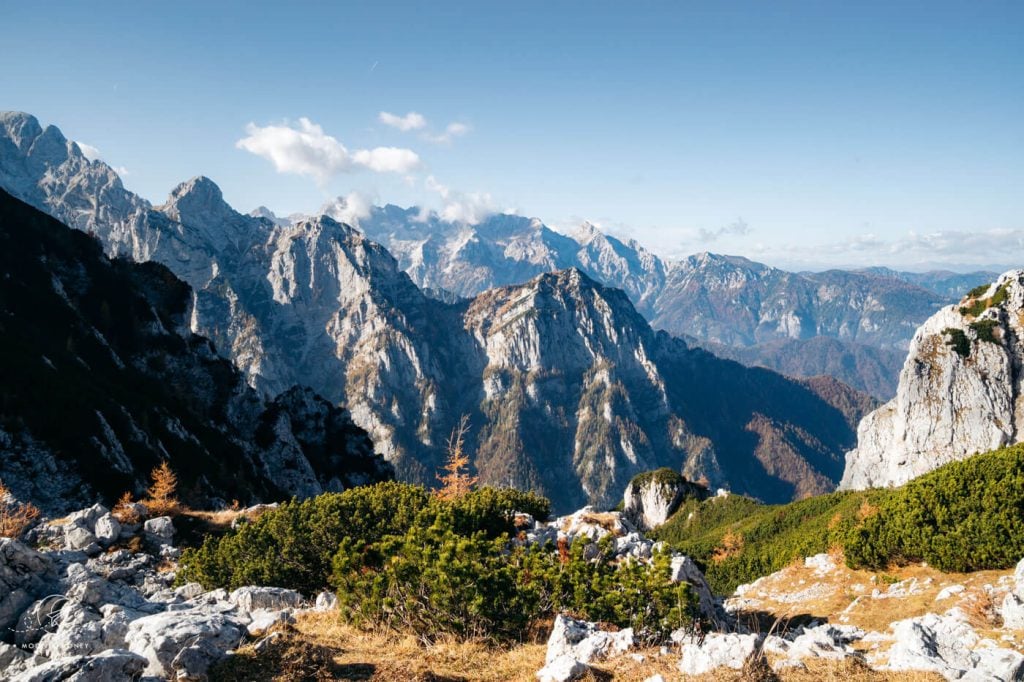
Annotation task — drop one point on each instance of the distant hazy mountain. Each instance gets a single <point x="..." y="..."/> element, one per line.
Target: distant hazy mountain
<point x="725" y="302"/>
<point x="101" y="379"/>
<point x="568" y="388"/>
<point x="723" y="299"/>
<point x="730" y="301"/>
<point x="951" y="285"/>
<point x="873" y="370"/>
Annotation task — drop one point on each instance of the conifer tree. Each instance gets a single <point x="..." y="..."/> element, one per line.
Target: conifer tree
<point x="456" y="480"/>
<point x="162" y="494"/>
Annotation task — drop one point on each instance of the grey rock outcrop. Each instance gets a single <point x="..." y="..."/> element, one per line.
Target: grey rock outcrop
<point x="162" y="637"/>
<point x="652" y="497"/>
<point x="960" y="391"/>
<point x="114" y="665"/>
<point x="717" y="650"/>
<point x="949" y="646"/>
<point x="25" y="575"/>
<point x="585" y="642"/>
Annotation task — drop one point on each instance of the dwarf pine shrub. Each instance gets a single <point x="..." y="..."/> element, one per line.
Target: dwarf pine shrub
<point x="965" y="516"/>
<point x="402" y="558"/>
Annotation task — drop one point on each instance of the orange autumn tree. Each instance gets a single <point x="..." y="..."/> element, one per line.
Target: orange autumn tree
<point x="456" y="480"/>
<point x="161" y="497"/>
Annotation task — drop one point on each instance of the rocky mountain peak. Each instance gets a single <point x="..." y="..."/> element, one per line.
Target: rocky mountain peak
<point x="197" y="200"/>
<point x="960" y="391"/>
<point x="21" y="128"/>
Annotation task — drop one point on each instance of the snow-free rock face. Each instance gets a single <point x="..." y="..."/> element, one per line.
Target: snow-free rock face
<point x="959" y="392"/>
<point x="652" y="497"/>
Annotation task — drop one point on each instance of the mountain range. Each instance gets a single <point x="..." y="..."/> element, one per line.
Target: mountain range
<point x="568" y="389"/>
<point x="720" y="302"/>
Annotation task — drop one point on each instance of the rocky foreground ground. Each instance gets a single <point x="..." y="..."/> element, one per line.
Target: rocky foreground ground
<point x="93" y="601"/>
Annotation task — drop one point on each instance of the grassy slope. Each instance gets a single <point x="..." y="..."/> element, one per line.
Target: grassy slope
<point x="765" y="538"/>
<point x="736" y="539"/>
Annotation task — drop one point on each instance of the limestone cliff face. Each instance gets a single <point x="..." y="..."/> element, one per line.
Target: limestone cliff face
<point x="959" y="391"/>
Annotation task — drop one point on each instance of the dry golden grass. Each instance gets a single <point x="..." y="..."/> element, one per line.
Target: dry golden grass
<point x="606" y="520"/>
<point x="841" y="587"/>
<point x="319" y="647"/>
<point x="15" y="517"/>
<point x="820" y="670"/>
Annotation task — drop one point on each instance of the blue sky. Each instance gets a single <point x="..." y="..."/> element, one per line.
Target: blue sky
<point x="800" y="134"/>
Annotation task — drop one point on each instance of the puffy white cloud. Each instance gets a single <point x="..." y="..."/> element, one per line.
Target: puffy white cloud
<point x="305" y="149"/>
<point x="411" y="121"/>
<point x="451" y="131"/>
<point x="461" y="207"/>
<point x="349" y="209"/>
<point x="90" y="152"/>
<point x="387" y="159"/>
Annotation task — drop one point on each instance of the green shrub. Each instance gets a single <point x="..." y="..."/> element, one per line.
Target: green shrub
<point x="491" y="510"/>
<point x="985" y="329"/>
<point x="980" y="305"/>
<point x="958" y="341"/>
<point x="769" y="536"/>
<point x="663" y="476"/>
<point x="400" y="557"/>
<point x="293" y="545"/>
<point x="432" y="581"/>
<point x="965" y="516"/>
<point x="978" y="290"/>
<point x="628" y="594"/>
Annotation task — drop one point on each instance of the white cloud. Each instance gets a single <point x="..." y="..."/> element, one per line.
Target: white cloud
<point x="954" y="249"/>
<point x="461" y="207"/>
<point x="991" y="244"/>
<point x="738" y="227"/>
<point x="416" y="121"/>
<point x="305" y="149"/>
<point x="411" y="121"/>
<point x="121" y="171"/>
<point x="90" y="152"/>
<point x="451" y="131"/>
<point x="349" y="209"/>
<point x="387" y="159"/>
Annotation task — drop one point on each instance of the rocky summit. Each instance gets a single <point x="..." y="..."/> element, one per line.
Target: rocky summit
<point x="959" y="392"/>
